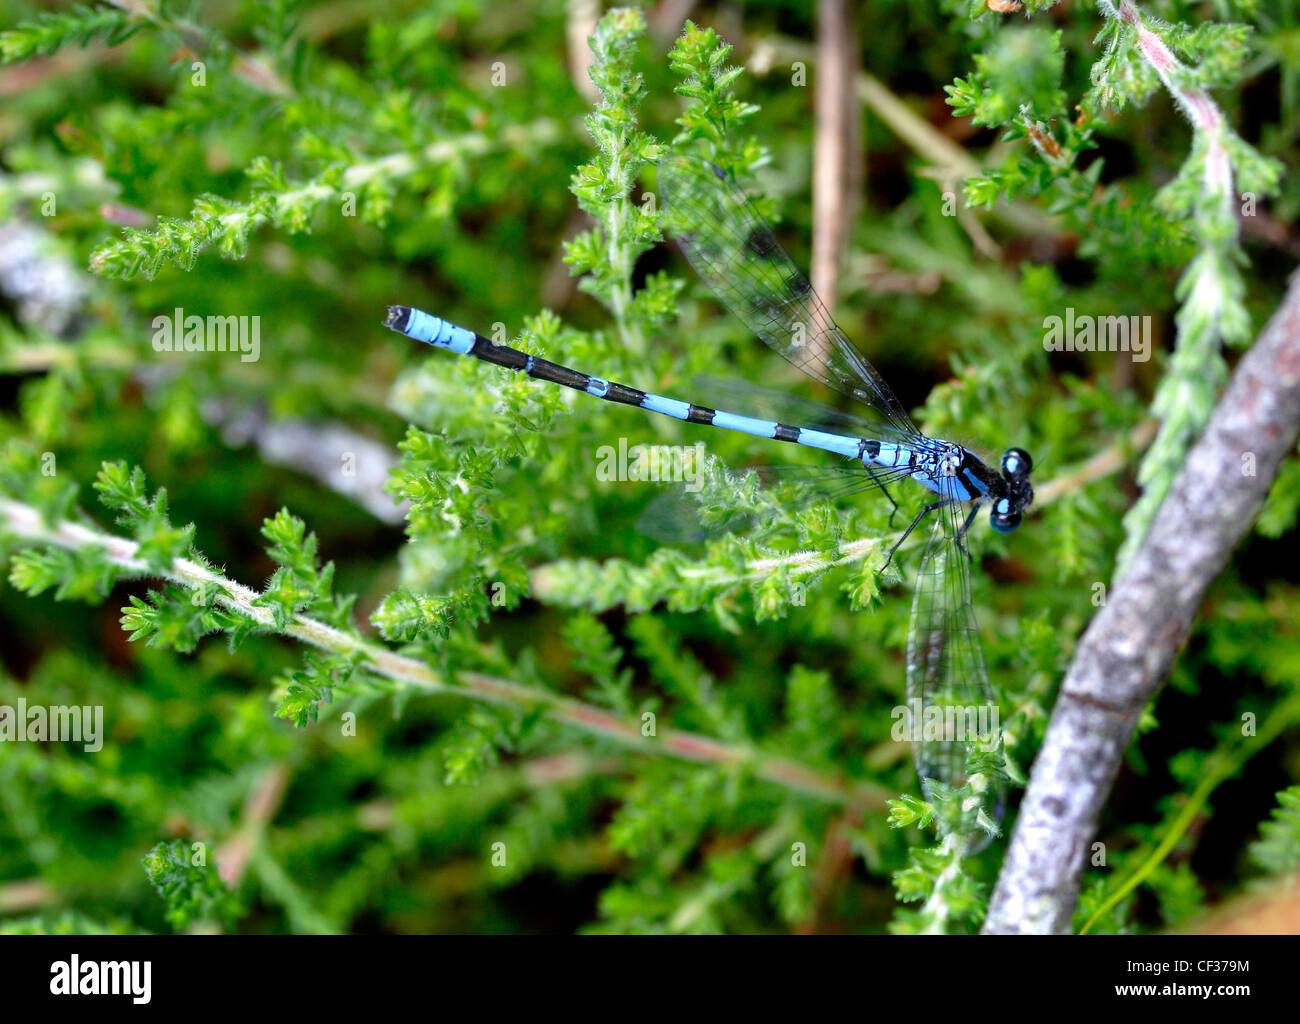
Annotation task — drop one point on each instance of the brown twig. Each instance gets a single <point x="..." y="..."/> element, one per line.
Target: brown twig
<point x="26" y="895"/>
<point x="1102" y="464"/>
<point x="259" y="808"/>
<point x="834" y="144"/>
<point x="580" y="17"/>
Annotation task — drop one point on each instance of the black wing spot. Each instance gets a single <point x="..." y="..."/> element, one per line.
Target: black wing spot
<point x="798" y="286"/>
<point x="761" y="242"/>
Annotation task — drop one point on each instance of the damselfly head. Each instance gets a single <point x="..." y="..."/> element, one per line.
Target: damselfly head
<point x="1009" y="506"/>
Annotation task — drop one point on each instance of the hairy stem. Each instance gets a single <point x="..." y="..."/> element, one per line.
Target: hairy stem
<point x="1128" y="649"/>
<point x="1211" y="281"/>
<point x="407" y="672"/>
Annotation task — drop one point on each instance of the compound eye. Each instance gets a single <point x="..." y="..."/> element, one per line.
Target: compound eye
<point x="1016" y="462"/>
<point x="1002" y="518"/>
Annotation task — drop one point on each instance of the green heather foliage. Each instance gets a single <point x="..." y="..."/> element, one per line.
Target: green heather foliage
<point x="518" y="713"/>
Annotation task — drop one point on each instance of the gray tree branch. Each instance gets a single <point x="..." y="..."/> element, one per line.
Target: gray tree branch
<point x="1128" y="649"/>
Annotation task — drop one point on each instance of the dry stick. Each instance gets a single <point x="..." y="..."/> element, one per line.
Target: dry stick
<point x="580" y="18"/>
<point x="260" y="806"/>
<point x="1128" y="649"/>
<point x="1111" y="460"/>
<point x="950" y="162"/>
<point x="26" y="894"/>
<point x="667" y="17"/>
<point x="835" y="145"/>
